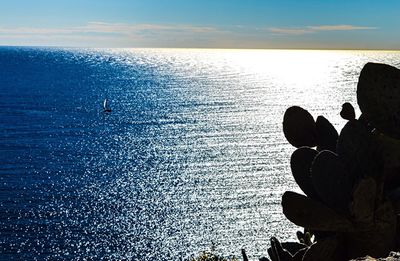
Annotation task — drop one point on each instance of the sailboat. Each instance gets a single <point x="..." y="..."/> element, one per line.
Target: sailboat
<point x="106" y="107"/>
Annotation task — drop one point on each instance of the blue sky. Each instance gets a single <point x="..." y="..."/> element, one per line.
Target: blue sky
<point x="321" y="24"/>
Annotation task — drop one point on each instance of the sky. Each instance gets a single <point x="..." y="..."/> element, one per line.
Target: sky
<point x="294" y="24"/>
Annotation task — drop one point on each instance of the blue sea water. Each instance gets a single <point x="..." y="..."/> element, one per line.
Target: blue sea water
<point x="191" y="156"/>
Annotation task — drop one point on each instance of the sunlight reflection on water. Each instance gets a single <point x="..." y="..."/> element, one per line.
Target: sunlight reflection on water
<point x="192" y="155"/>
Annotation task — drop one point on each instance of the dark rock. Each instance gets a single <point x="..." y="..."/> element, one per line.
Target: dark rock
<point x="326" y="135"/>
<point x="300" y="163"/>
<point x="367" y="258"/>
<point x="347" y="111"/>
<point x="393" y="256"/>
<point x="378" y="96"/>
<point x="331" y="181"/>
<point x="299" y="127"/>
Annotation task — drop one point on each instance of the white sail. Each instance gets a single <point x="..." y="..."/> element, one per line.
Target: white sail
<point x="105" y="104"/>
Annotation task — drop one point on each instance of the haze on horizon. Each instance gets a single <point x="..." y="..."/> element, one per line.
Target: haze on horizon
<point x="308" y="24"/>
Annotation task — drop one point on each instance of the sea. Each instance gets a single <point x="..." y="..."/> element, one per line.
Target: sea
<point x="191" y="158"/>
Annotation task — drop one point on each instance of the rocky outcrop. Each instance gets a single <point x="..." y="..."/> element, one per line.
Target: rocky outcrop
<point x="393" y="256"/>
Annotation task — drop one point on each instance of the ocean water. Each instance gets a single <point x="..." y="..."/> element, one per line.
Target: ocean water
<point x="191" y="157"/>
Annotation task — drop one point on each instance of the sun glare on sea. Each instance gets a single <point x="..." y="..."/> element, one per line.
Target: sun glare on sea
<point x="296" y="67"/>
<point x="306" y="73"/>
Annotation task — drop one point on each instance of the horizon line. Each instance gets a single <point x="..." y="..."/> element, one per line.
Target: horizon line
<point x="206" y="48"/>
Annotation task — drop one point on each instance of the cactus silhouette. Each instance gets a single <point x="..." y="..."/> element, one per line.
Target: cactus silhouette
<point x="351" y="181"/>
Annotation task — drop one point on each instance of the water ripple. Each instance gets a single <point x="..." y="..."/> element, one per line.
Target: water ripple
<point x="191" y="155"/>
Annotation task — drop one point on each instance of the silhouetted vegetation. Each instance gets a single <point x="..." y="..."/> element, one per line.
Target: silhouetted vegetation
<point x="351" y="181"/>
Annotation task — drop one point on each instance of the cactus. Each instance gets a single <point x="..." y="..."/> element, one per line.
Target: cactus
<point x="312" y="214"/>
<point x="325" y="248"/>
<point x="277" y="252"/>
<point x="326" y="135"/>
<point x="331" y="180"/>
<point x="299" y="127"/>
<point x="304" y="238"/>
<point x="352" y="146"/>
<point x="378" y="96"/>
<point x="348" y="112"/>
<point x="300" y="163"/>
<point x="352" y="180"/>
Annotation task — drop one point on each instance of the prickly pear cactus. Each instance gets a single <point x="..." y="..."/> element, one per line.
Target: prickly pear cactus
<point x="300" y="163"/>
<point x="348" y="112"/>
<point x="378" y="95"/>
<point x="326" y="134"/>
<point x="351" y="181"/>
<point x="299" y="127"/>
